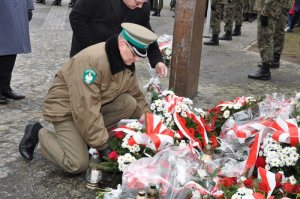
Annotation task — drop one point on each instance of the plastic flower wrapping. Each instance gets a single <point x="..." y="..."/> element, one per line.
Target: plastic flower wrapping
<point x="244" y="148"/>
<point x="165" y="45"/>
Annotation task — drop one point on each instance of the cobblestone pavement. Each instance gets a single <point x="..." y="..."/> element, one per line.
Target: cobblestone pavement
<point x="223" y="76"/>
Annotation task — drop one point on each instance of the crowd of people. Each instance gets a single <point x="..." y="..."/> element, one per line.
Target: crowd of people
<point x="272" y="18"/>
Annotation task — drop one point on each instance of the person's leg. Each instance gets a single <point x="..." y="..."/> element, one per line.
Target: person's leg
<point x="294" y="20"/>
<point x="265" y="47"/>
<point x="278" y="39"/>
<point x="122" y="107"/>
<point x="7" y="64"/>
<point x="215" y="25"/>
<point x="66" y="147"/>
<point x="238" y="18"/>
<point x="228" y="19"/>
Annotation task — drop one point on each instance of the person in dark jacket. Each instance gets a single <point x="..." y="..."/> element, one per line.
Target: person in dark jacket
<point x="94" y="21"/>
<point x="14" y="39"/>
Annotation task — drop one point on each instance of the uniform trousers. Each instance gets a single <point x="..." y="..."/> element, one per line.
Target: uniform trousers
<point x="66" y="147"/>
<point x="7" y="63"/>
<point x="270" y="39"/>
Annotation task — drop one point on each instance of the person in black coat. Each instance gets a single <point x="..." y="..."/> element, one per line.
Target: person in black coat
<point x="94" y="21"/>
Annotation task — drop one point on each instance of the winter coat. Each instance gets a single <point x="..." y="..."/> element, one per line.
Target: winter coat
<point x="69" y="98"/>
<point x="14" y="26"/>
<point x="94" y="21"/>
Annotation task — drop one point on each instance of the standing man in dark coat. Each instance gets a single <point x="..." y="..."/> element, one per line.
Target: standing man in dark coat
<point x="94" y="21"/>
<point x="14" y="39"/>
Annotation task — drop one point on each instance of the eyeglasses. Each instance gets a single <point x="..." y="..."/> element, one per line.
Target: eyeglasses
<point x="131" y="50"/>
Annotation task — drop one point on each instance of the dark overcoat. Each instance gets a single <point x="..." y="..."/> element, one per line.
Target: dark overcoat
<point x="14" y="26"/>
<point x="94" y="21"/>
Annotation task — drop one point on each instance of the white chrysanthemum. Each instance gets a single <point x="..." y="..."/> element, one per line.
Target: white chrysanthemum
<point x="199" y="111"/>
<point x="242" y="179"/>
<point x="226" y="114"/>
<point x="292" y="180"/>
<point x="158" y="102"/>
<point x="152" y="106"/>
<point x="237" y="106"/>
<point x="183" y="114"/>
<point x="202" y="173"/>
<point x="187" y="101"/>
<point x="177" y="109"/>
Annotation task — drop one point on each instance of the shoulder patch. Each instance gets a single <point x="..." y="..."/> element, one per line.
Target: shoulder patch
<point x="89" y="76"/>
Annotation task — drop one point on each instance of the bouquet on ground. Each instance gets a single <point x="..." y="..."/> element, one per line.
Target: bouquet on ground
<point x="177" y="113"/>
<point x="134" y="141"/>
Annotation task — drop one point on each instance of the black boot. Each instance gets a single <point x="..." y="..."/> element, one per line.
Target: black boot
<point x="237" y="30"/>
<point x="41" y="1"/>
<point x="3" y="100"/>
<point x="276" y="60"/>
<point x="158" y="12"/>
<point x="251" y="17"/>
<point x="56" y="3"/>
<point x="10" y="94"/>
<point x="227" y="36"/>
<point x="214" y="41"/>
<point x="29" y="140"/>
<point x="245" y="17"/>
<point x="262" y="74"/>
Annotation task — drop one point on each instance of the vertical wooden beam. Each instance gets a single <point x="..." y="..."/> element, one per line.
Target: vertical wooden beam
<point x="187" y="47"/>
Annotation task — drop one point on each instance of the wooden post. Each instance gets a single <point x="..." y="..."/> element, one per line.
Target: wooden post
<point x="187" y="47"/>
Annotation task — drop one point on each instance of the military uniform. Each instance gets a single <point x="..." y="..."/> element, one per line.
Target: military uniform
<point x="232" y="12"/>
<point x="272" y="16"/>
<point x="248" y="10"/>
<point x="157" y="5"/>
<point x="92" y="92"/>
<point x="217" y="7"/>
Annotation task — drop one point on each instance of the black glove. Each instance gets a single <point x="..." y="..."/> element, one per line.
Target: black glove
<point x="29" y="15"/>
<point x="264" y="21"/>
<point x="105" y="152"/>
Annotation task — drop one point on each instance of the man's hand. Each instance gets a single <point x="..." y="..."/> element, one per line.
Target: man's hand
<point x="105" y="151"/>
<point x="264" y="21"/>
<point x="161" y="69"/>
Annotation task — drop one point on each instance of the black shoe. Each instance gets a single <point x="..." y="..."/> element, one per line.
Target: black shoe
<point x="237" y="31"/>
<point x="29" y="140"/>
<point x="3" y="100"/>
<point x="260" y="74"/>
<point x="12" y="95"/>
<point x="214" y="41"/>
<point x="227" y="36"/>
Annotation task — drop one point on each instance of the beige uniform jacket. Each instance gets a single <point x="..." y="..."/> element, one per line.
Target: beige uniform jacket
<point x="70" y="98"/>
<point x="272" y="8"/>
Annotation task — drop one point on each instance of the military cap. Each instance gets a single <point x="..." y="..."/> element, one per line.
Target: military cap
<point x="138" y="37"/>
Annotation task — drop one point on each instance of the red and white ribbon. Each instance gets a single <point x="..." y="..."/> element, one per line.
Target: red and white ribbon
<point x="287" y="131"/>
<point x="186" y="132"/>
<point x="156" y="137"/>
<point x="158" y="133"/>
<point x="268" y="178"/>
<point x="172" y="100"/>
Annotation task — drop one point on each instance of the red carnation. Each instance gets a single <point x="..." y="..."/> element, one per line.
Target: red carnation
<point x="214" y="141"/>
<point x="288" y="187"/>
<point x="278" y="177"/>
<point x="120" y="135"/>
<point x="297" y="188"/>
<point x="263" y="186"/>
<point x="228" y="182"/>
<point x="260" y="162"/>
<point x="258" y="196"/>
<point x="278" y="185"/>
<point x="192" y="131"/>
<point x="248" y="183"/>
<point x="113" y="155"/>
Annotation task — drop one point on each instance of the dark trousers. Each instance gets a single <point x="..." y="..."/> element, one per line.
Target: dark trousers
<point x="7" y="63"/>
